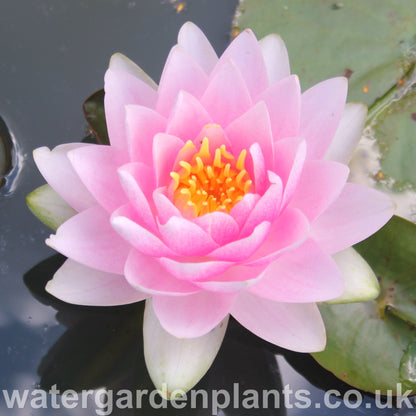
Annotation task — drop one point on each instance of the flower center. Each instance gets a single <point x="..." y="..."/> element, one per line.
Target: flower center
<point x="209" y="183"/>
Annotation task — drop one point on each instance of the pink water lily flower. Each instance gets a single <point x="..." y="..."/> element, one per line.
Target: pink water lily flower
<point x="224" y="191"/>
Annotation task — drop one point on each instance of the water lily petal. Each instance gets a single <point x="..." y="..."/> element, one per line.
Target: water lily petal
<point x="290" y="230"/>
<point x="181" y="72"/>
<point x="80" y="285"/>
<point x="89" y="239"/>
<point x="195" y="270"/>
<point x="192" y="316"/>
<point x="49" y="207"/>
<point x="242" y="249"/>
<point x="133" y="178"/>
<point x="146" y="274"/>
<point x="356" y="214"/>
<point x="56" y="168"/>
<point x="242" y="209"/>
<point x="121" y="88"/>
<point x="177" y="363"/>
<point x="361" y="283"/>
<point x="186" y="238"/>
<point x="245" y="52"/>
<point x="220" y="226"/>
<point x="126" y="222"/>
<point x="165" y="149"/>
<point x="322" y="108"/>
<point x="275" y="57"/>
<point x="257" y="165"/>
<point x="224" y="108"/>
<point x="320" y="184"/>
<point x="252" y="127"/>
<point x="96" y="165"/>
<point x="348" y="133"/>
<point x="305" y="274"/>
<point x="187" y="117"/>
<point x="194" y="42"/>
<point x="283" y="101"/>
<point x="289" y="158"/>
<point x="120" y="62"/>
<point x="142" y="124"/>
<point x="295" y="326"/>
<point x="266" y="209"/>
<point x="164" y="206"/>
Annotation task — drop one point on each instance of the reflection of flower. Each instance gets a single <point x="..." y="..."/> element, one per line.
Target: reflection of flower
<point x="223" y="192"/>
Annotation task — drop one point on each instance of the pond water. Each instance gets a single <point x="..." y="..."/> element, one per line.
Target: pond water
<point x="54" y="55"/>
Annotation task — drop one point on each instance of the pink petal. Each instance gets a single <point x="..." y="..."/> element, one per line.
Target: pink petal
<point x="142" y="125"/>
<point x="96" y="165"/>
<point x="289" y="231"/>
<point x="252" y="127"/>
<point x="320" y="184"/>
<point x="322" y="107"/>
<point x="181" y="72"/>
<point x="220" y="226"/>
<point x="215" y="135"/>
<point x="193" y="41"/>
<point x="289" y="157"/>
<point x="266" y="209"/>
<point x="305" y="274"/>
<point x="165" y="150"/>
<point x="233" y="280"/>
<point x="89" y="239"/>
<point x="242" y="209"/>
<point x="355" y="215"/>
<point x="148" y="275"/>
<point x="226" y="96"/>
<point x="81" y="285"/>
<point x="186" y="238"/>
<point x="164" y="206"/>
<point x="246" y="54"/>
<point x="242" y="249"/>
<point x="122" y="88"/>
<point x="257" y="165"/>
<point x="283" y="101"/>
<point x="194" y="270"/>
<point x="132" y="177"/>
<point x="192" y="315"/>
<point x="295" y="326"/>
<point x="126" y="222"/>
<point x="187" y="117"/>
<point x="56" y="168"/>
<point x="275" y="57"/>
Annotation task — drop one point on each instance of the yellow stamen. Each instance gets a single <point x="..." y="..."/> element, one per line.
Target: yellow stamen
<point x="203" y="184"/>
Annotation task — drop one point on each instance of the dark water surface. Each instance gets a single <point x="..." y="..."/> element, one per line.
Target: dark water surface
<point x="53" y="55"/>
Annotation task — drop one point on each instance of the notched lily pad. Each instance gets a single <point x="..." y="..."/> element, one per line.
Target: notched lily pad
<point x="371" y="345"/>
<point x="372" y="43"/>
<point x="93" y="108"/>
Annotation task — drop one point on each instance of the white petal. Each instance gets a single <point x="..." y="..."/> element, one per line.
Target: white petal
<point x="80" y="285"/>
<point x="121" y="63"/>
<point x="48" y="206"/>
<point x="275" y="57"/>
<point x="360" y="281"/>
<point x="348" y="133"/>
<point x="174" y="363"/>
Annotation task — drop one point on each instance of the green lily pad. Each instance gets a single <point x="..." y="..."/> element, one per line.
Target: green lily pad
<point x="93" y="108"/>
<point x="372" y="43"/>
<point x="371" y="345"/>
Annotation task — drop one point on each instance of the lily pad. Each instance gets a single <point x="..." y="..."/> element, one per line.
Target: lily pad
<point x="371" y="345"/>
<point x="93" y="108"/>
<point x="372" y="43"/>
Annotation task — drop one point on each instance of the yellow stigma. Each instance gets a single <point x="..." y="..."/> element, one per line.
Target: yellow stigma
<point x="209" y="183"/>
